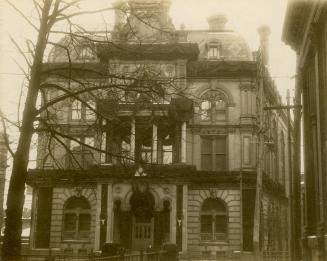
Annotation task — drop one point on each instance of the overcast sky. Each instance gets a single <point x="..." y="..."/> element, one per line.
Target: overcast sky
<point x="245" y="16"/>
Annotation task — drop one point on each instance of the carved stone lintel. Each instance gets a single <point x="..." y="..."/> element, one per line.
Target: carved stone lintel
<point x="247" y="87"/>
<point x="214" y="130"/>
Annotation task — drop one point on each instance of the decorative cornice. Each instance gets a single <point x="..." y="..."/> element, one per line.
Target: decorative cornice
<point x="210" y="69"/>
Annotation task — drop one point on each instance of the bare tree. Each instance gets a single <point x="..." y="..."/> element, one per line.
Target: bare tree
<point x="51" y="85"/>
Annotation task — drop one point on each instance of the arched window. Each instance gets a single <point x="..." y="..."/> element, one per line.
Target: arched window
<point x="213" y="106"/>
<point x="77" y="219"/>
<point x="213" y="220"/>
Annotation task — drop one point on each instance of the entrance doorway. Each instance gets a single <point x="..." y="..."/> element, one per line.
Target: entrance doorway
<point x="142" y="234"/>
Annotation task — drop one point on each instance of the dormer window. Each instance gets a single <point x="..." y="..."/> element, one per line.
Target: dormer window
<point x="213" y="50"/>
<point x="86" y="54"/>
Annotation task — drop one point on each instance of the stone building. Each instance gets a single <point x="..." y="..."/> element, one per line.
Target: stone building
<point x="305" y="30"/>
<point x="174" y="164"/>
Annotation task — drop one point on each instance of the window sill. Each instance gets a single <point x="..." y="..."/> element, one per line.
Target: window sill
<point x="76" y="241"/>
<point x="214" y="243"/>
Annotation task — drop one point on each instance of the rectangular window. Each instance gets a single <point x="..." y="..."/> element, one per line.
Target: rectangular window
<point x="206" y="153"/>
<point x="146" y="153"/>
<point x="81" y="155"/>
<point x="89" y="141"/>
<point x="220" y="150"/>
<point x="90" y="114"/>
<point x="167" y="156"/>
<point x="74" y="145"/>
<point x="80" y="111"/>
<point x="213" y="52"/>
<point x="165" y="144"/>
<point x="213" y="153"/>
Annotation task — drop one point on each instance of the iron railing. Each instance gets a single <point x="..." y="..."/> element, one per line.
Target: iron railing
<point x="140" y="256"/>
<point x="276" y="256"/>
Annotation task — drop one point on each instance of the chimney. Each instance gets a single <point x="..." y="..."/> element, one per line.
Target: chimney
<point x="264" y="32"/>
<point x="217" y="22"/>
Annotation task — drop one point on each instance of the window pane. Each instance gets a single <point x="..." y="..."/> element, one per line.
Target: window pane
<point x="206" y="145"/>
<point x="84" y="222"/>
<point x="205" y="110"/>
<point x="220" y="115"/>
<point x="125" y="148"/>
<point x="206" y="162"/>
<point x="220" y="145"/>
<point x="221" y="224"/>
<point x="70" y="222"/>
<point x="220" y="104"/>
<point x="89" y="114"/>
<point x="89" y="141"/>
<point x="220" y="162"/>
<point x="146" y="155"/>
<point x="213" y="52"/>
<point x="167" y="154"/>
<point x="76" y="110"/>
<point x="206" y="224"/>
<point x="74" y="145"/>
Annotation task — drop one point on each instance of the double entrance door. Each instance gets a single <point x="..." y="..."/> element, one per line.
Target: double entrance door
<point x="142" y="235"/>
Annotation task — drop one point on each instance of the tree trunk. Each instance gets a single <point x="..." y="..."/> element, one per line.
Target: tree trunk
<point x="11" y="248"/>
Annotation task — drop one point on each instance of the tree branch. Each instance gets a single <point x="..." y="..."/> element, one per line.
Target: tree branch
<point x="23" y="15"/>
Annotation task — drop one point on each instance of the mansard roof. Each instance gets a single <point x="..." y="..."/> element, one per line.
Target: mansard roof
<point x="160" y="51"/>
<point x="199" y="69"/>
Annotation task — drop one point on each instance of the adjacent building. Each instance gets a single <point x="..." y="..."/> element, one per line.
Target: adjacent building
<point x="158" y="141"/>
<point x="305" y="30"/>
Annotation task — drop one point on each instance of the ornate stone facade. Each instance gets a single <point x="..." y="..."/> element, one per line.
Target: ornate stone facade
<point x="178" y="168"/>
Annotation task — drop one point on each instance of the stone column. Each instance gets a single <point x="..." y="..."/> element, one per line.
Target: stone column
<point x="154" y="143"/>
<point x="185" y="203"/>
<point x="133" y="139"/>
<point x="97" y="219"/>
<point x="254" y="102"/>
<point x="103" y="147"/>
<point x="173" y="215"/>
<point x="110" y="214"/>
<point x="183" y="143"/>
<point x="33" y="218"/>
